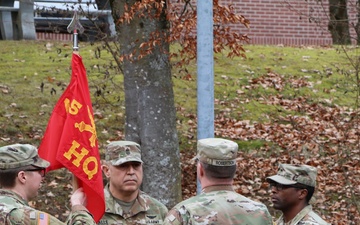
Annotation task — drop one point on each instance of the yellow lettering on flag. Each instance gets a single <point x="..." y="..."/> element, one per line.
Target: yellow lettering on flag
<point x="82" y="126"/>
<point x="79" y="156"/>
<point x="73" y="107"/>
<point x="90" y="173"/>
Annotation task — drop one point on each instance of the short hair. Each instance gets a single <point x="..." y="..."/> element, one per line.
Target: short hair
<point x="8" y="177"/>
<point x="311" y="191"/>
<point x="219" y="172"/>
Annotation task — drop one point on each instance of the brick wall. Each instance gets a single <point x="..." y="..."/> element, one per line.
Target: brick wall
<point x="54" y="36"/>
<point x="273" y="22"/>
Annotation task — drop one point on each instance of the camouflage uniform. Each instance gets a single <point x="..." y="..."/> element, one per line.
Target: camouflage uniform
<point x="218" y="203"/>
<point x="289" y="174"/>
<point x="146" y="210"/>
<point x="14" y="210"/>
<point x="305" y="217"/>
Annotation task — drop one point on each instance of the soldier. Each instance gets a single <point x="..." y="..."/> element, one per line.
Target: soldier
<point x="125" y="202"/>
<point x="218" y="203"/>
<point x="292" y="188"/>
<point x="21" y="174"/>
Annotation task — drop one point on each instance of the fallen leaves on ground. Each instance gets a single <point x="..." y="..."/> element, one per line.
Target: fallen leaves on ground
<point x="320" y="134"/>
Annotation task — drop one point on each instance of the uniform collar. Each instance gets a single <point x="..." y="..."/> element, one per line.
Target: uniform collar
<point x="219" y="187"/>
<point x="114" y="207"/>
<point x="14" y="195"/>
<point x="298" y="216"/>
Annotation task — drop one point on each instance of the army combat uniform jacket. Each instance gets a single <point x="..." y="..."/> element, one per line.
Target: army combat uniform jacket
<point x="219" y="205"/>
<point x="145" y="210"/>
<point x="16" y="211"/>
<point x="305" y="217"/>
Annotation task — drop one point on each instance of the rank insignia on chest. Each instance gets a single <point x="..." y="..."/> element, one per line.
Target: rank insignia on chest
<point x="153" y="219"/>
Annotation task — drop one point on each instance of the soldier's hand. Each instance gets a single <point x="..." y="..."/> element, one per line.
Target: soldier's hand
<point x="78" y="197"/>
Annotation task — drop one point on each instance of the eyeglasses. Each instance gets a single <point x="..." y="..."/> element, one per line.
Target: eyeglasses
<point x="280" y="187"/>
<point x="42" y="171"/>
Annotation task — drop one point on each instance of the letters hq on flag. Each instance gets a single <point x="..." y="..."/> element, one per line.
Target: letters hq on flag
<point x="70" y="138"/>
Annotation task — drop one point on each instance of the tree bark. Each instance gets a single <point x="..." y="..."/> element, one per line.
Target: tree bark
<point x="149" y="100"/>
<point x="103" y="4"/>
<point x="357" y="27"/>
<point x="339" y="22"/>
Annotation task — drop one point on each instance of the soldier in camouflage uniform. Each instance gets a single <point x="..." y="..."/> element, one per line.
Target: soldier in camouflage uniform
<point x="292" y="188"/>
<point x="125" y="202"/>
<point x="218" y="203"/>
<point x="21" y="174"/>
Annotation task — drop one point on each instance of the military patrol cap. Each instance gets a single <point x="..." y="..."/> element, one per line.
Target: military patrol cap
<point x="20" y="155"/>
<point x="217" y="151"/>
<point x="289" y="174"/>
<point x="119" y="152"/>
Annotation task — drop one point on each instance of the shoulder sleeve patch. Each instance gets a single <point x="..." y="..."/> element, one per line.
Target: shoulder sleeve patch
<point x="43" y="219"/>
<point x="32" y="215"/>
<point x="171" y="218"/>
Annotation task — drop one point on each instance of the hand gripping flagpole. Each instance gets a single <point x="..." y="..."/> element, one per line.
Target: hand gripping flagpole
<point x="75" y="27"/>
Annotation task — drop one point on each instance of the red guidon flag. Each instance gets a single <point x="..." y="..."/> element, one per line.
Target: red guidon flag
<point x="70" y="139"/>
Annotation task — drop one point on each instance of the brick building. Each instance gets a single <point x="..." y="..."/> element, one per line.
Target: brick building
<point x="289" y="22"/>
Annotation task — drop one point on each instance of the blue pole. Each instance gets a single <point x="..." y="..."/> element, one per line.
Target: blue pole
<point x="205" y="72"/>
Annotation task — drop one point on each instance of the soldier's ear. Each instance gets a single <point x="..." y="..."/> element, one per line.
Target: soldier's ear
<point x="200" y="170"/>
<point x="106" y="170"/>
<point x="21" y="176"/>
<point x="303" y="194"/>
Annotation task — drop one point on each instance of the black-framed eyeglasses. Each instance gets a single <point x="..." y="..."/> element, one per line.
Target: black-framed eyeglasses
<point x="42" y="171"/>
<point x="280" y="187"/>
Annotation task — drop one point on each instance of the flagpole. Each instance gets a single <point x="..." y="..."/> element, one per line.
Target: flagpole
<point x="75" y="27"/>
<point x="67" y="132"/>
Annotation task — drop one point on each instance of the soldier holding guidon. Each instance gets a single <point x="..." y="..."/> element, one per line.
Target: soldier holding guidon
<point x="21" y="174"/>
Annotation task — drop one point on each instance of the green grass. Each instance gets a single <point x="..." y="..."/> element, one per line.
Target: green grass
<point x="244" y="89"/>
<point x="25" y="65"/>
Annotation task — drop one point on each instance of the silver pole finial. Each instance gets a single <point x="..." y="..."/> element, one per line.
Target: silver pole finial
<point x="75" y="27"/>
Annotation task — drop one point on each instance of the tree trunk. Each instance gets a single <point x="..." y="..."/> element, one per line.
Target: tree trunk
<point x="357" y="27"/>
<point x="149" y="101"/>
<point x="339" y="22"/>
<point x="103" y="4"/>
